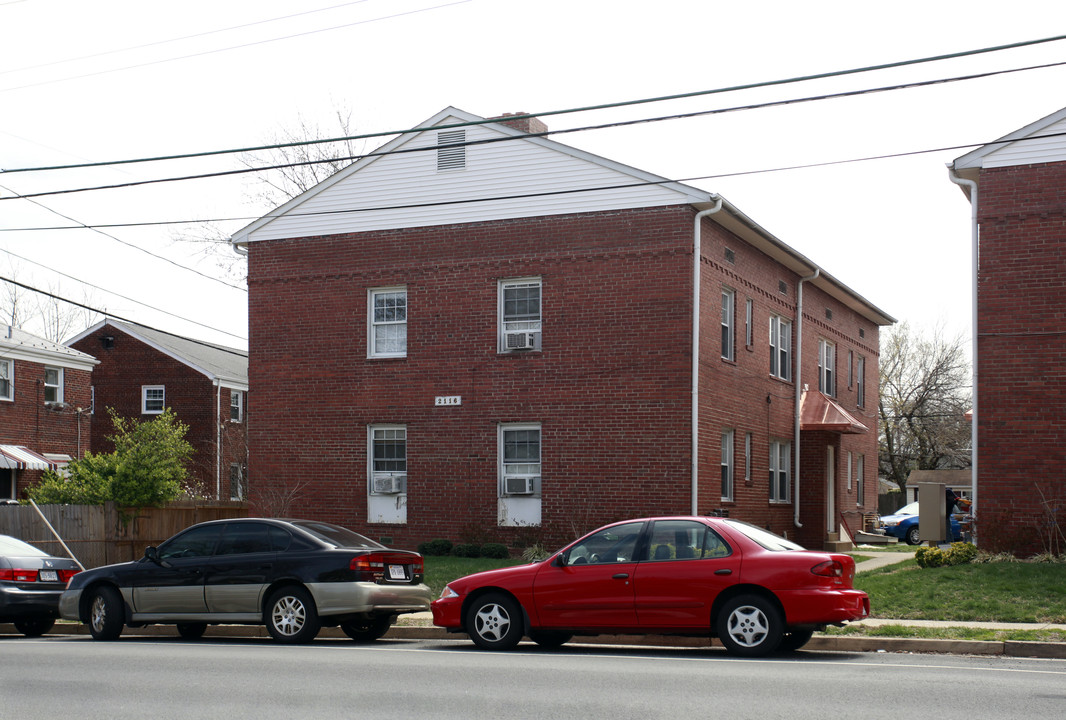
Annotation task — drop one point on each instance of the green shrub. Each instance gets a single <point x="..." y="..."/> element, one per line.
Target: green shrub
<point x="495" y="550"/>
<point x="436" y="547"/>
<point x="929" y="557"/>
<point x="958" y="554"/>
<point x="467" y="550"/>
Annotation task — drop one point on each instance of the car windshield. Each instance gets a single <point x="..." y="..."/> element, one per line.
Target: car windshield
<point x="17" y="548"/>
<point x="336" y="535"/>
<point x="764" y="537"/>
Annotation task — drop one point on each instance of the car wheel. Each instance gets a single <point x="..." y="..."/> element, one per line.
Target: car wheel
<point x="34" y="626"/>
<point x="494" y="622"/>
<point x="106" y="614"/>
<point x="914" y="536"/>
<point x="192" y="631"/>
<point x="550" y="638"/>
<point x="794" y="640"/>
<point x="291" y="616"/>
<point x="749" y="625"/>
<point x="368" y="630"/>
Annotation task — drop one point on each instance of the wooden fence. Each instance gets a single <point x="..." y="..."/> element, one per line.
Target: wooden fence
<point x="104" y="534"/>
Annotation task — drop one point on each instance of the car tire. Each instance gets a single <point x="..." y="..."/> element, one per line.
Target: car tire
<point x="494" y="622"/>
<point x="794" y="639"/>
<point x="550" y="638"/>
<point x="750" y="626"/>
<point x="369" y="630"/>
<point x="107" y="614"/>
<point x="34" y="626"/>
<point x="291" y="616"/>
<point x="192" y="631"/>
<point x="914" y="535"/>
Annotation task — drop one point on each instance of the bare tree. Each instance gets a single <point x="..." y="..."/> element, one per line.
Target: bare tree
<point x="924" y="398"/>
<point x="43" y="314"/>
<point x="283" y="173"/>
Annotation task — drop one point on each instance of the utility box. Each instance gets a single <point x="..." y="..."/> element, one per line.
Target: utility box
<point x="932" y="515"/>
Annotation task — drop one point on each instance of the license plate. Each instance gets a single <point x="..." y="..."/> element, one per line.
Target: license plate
<point x="47" y="576"/>
<point x="396" y="572"/>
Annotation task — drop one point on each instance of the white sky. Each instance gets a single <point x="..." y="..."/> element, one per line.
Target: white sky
<point x="112" y="79"/>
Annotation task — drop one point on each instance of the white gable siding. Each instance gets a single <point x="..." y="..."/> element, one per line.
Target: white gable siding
<point x="510" y="168"/>
<point x="1027" y="152"/>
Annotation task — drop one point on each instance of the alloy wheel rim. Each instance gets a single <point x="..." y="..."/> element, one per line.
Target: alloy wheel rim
<point x="289" y="615"/>
<point x="492" y="622"/>
<point x="748" y="626"/>
<point x="99" y="613"/>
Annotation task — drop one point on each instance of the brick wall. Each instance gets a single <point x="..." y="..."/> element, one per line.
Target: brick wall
<point x="1021" y="345"/>
<point x="610" y="386"/>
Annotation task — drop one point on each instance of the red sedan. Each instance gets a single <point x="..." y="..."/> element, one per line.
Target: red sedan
<point x="757" y="592"/>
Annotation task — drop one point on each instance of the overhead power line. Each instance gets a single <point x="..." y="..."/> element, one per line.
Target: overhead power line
<point x="585" y="128"/>
<point x="549" y="113"/>
<point x="119" y="317"/>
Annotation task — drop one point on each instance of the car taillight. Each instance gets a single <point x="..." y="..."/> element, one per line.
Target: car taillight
<point x="66" y="575"/>
<point x="18" y="575"/>
<point x="829" y="568"/>
<point x="372" y="565"/>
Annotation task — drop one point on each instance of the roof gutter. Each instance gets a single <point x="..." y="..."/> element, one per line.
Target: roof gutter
<point x="697" y="256"/>
<point x="975" y="234"/>
<point x="798" y="362"/>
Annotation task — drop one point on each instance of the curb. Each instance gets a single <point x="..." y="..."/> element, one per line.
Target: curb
<point x="824" y="643"/>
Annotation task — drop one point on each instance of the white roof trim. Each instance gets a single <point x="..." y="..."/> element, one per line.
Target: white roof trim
<point x="975" y="158"/>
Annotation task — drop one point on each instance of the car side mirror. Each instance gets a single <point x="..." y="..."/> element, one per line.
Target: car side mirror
<point x="559" y="560"/>
<point x="152" y="553"/>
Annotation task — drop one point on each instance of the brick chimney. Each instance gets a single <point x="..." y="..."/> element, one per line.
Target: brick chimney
<point x="530" y="125"/>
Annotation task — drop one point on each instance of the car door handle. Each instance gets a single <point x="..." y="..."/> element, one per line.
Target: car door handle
<point x="620" y="576"/>
<point x="723" y="571"/>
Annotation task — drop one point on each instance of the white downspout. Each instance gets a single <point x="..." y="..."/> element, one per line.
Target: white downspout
<point x="975" y="234"/>
<point x="697" y="255"/>
<point x="796" y="409"/>
<point x="218" y="439"/>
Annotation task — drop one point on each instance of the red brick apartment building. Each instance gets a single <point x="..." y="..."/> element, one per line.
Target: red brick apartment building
<point x="45" y="403"/>
<point x="1017" y="190"/>
<point x="482" y="333"/>
<point x="143" y="370"/>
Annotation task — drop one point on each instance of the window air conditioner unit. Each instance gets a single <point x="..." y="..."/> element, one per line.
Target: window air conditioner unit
<point x="521" y="485"/>
<point x="520" y="340"/>
<point x="389" y="484"/>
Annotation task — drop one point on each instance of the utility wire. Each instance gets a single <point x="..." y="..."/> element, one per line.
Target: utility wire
<point x="234" y="47"/>
<point x="549" y="113"/>
<point x="123" y="242"/>
<point x="523" y="196"/>
<point x="112" y="292"/>
<point x="119" y="317"/>
<point x="585" y="128"/>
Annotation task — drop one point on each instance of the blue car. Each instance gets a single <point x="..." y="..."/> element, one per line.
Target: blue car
<point x="903" y="525"/>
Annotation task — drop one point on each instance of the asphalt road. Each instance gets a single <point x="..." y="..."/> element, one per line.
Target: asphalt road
<point x="256" y="678"/>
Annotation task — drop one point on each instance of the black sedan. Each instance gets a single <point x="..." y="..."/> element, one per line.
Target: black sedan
<point x="294" y="576"/>
<point x="31" y="582"/>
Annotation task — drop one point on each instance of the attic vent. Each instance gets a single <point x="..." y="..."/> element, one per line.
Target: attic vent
<point x="828" y="314"/>
<point x="730" y="256"/>
<point x="451" y="153"/>
<point x="862" y="333"/>
<point x="782" y="287"/>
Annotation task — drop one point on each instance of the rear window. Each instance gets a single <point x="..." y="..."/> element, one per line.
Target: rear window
<point x="9" y="546"/>
<point x="337" y="536"/>
<point x="763" y="537"/>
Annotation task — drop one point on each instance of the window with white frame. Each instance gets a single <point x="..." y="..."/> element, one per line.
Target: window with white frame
<point x="519" y="454"/>
<point x="749" y="322"/>
<point x="780" y="347"/>
<point x="780" y="460"/>
<point x="747" y="458"/>
<point x="729" y="330"/>
<point x="53" y="385"/>
<point x="860" y="488"/>
<point x="727" y="465"/>
<point x="153" y="399"/>
<point x="848" y="474"/>
<point x="851" y="369"/>
<point x="7" y="379"/>
<point x="236" y="406"/>
<point x="827" y="363"/>
<point x="387" y="322"/>
<point x="388" y="459"/>
<point x="860" y="382"/>
<point x="520" y="314"/>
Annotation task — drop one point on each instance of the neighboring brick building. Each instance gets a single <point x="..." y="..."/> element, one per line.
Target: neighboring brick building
<point x="142" y="371"/>
<point x="1017" y="188"/>
<point x="44" y="408"/>
<point x="428" y="361"/>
